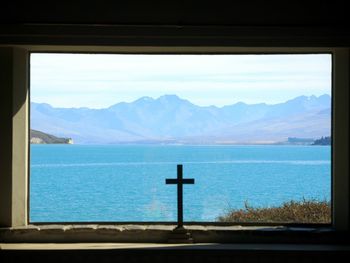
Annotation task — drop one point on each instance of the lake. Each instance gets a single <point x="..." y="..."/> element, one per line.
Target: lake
<point x="84" y="183"/>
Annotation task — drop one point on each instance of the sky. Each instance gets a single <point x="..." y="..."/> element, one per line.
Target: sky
<point x="102" y="80"/>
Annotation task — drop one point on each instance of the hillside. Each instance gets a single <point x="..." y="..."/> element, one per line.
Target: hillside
<point x="323" y="141"/>
<point x="170" y="119"/>
<point x="38" y="137"/>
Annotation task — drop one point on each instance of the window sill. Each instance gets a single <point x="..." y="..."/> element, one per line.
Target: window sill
<point x="85" y="233"/>
<point x="154" y="246"/>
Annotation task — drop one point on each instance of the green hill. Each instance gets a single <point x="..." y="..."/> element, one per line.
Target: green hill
<point x="38" y="137"/>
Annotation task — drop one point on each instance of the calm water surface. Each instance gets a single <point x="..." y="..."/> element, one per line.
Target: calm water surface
<point x="127" y="183"/>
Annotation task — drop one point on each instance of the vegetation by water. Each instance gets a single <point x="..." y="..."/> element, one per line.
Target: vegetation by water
<point x="38" y="137"/>
<point x="323" y="141"/>
<point x="306" y="211"/>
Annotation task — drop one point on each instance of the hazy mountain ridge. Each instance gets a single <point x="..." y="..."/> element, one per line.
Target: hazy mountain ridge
<point x="172" y="119"/>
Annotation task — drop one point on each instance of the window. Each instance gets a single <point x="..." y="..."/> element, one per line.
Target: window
<point x="14" y="201"/>
<point x="253" y="130"/>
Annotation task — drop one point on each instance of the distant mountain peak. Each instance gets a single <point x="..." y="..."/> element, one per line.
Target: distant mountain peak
<point x="144" y="99"/>
<point x="240" y="103"/>
<point x="167" y="117"/>
<point x="325" y="96"/>
<point x="169" y="97"/>
<point x="41" y="104"/>
<point x="299" y="98"/>
<point x="312" y="97"/>
<point x="172" y="99"/>
<point x="303" y="98"/>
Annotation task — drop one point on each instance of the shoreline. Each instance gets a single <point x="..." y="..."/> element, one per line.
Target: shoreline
<point x="179" y="145"/>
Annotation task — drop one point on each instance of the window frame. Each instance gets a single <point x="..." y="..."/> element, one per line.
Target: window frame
<point x="212" y="223"/>
<point x="19" y="171"/>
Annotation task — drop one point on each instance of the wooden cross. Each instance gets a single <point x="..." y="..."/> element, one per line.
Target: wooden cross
<point x="179" y="181"/>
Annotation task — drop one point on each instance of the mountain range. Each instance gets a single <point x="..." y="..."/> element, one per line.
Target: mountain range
<point x="170" y="119"/>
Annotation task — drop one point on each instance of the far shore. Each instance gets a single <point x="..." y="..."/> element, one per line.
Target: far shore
<point x="179" y="144"/>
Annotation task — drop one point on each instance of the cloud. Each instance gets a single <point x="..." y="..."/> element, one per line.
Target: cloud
<point x="213" y="79"/>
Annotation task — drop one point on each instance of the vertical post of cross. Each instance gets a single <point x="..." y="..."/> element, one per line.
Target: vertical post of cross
<point x="180" y="216"/>
<point x="180" y="182"/>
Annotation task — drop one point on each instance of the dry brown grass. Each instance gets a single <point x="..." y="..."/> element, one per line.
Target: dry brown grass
<point x="310" y="212"/>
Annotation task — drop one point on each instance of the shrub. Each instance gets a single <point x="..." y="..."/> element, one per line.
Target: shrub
<point x="312" y="212"/>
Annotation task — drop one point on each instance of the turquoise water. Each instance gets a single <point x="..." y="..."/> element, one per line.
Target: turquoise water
<point x="84" y="183"/>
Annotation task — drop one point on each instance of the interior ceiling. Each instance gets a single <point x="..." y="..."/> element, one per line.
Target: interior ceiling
<point x="178" y="12"/>
<point x="322" y="23"/>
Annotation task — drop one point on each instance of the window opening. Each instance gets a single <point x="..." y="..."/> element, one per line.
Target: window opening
<point x="107" y="130"/>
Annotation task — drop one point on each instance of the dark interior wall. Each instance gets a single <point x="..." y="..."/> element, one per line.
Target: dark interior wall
<point x="179" y="12"/>
<point x="176" y="22"/>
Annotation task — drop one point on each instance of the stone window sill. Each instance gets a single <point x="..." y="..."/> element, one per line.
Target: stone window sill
<point x="85" y="233"/>
<point x="154" y="246"/>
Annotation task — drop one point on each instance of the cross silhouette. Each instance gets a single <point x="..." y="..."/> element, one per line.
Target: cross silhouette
<point x="180" y="182"/>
